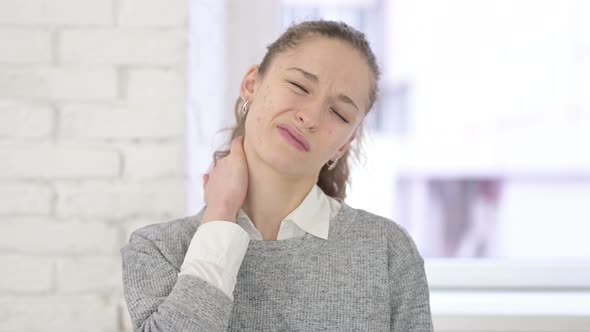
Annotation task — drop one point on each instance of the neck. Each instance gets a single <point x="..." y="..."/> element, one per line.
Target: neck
<point x="272" y="196"/>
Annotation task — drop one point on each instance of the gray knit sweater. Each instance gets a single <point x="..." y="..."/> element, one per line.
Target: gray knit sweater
<point x="368" y="276"/>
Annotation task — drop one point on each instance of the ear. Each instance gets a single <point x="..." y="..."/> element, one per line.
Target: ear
<point x="249" y="83"/>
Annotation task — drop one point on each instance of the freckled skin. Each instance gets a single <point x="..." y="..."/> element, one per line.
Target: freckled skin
<point x="341" y="70"/>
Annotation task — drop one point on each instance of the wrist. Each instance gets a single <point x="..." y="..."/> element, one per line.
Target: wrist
<point x="214" y="213"/>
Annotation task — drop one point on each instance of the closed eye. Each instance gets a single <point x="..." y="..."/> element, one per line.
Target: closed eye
<point x="338" y="114"/>
<point x="299" y="87"/>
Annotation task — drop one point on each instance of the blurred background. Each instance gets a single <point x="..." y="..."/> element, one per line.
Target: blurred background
<point x="479" y="145"/>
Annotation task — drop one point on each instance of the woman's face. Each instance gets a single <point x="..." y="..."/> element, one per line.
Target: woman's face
<point x="319" y="89"/>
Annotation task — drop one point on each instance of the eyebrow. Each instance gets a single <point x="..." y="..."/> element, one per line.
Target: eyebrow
<point x="343" y="98"/>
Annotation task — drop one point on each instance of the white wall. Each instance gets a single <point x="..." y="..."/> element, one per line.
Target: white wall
<point x="92" y="128"/>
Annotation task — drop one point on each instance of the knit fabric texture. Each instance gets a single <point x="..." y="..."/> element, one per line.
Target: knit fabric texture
<point x="368" y="276"/>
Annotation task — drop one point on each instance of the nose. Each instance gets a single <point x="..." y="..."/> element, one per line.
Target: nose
<point x="309" y="118"/>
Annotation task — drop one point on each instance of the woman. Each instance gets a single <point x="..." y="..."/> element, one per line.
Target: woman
<point x="276" y="248"/>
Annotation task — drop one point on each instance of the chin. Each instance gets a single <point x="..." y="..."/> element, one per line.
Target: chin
<point x="287" y="164"/>
<point x="281" y="157"/>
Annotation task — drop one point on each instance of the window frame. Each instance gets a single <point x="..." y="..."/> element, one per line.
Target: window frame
<point x="508" y="274"/>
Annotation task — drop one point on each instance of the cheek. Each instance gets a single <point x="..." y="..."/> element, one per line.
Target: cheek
<point x="265" y="102"/>
<point x="331" y="139"/>
<point x="260" y="117"/>
<point x="337" y="138"/>
<point x="253" y="125"/>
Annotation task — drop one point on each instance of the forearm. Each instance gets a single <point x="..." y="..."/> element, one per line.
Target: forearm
<point x="193" y="305"/>
<point x="216" y="253"/>
<point x="159" y="300"/>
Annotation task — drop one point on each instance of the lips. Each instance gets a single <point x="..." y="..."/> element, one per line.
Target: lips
<point x="296" y="135"/>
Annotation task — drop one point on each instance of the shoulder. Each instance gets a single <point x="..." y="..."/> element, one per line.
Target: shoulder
<point x="400" y="245"/>
<point x="168" y="240"/>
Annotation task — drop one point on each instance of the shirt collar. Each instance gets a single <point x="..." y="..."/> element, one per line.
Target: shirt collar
<point x="312" y="215"/>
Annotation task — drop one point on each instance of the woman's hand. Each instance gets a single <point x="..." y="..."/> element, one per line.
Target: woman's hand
<point x="226" y="185"/>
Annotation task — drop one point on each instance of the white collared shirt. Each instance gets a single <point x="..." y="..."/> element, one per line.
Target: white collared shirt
<point x="218" y="247"/>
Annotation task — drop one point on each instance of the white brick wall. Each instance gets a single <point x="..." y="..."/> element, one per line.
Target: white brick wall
<point x="48" y="161"/>
<point x="153" y="13"/>
<point x="88" y="275"/>
<point x="34" y="198"/>
<point x="48" y="236"/>
<point x="86" y="313"/>
<point x="121" y="199"/>
<point x="122" y="46"/>
<point x="24" y="46"/>
<point x="122" y="121"/>
<point x="30" y="275"/>
<point x="57" y="12"/>
<point x="155" y="84"/>
<point x="25" y="120"/>
<point x="92" y="132"/>
<point x="58" y="83"/>
<point x="145" y="160"/>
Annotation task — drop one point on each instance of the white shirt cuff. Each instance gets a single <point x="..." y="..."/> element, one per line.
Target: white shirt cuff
<point x="216" y="253"/>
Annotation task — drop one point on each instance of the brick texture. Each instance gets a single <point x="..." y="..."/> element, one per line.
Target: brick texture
<point x="92" y="142"/>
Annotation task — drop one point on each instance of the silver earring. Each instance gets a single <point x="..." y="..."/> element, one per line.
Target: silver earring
<point x="331" y="164"/>
<point x="245" y="107"/>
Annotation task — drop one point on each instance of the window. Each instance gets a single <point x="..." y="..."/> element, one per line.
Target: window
<point x="480" y="130"/>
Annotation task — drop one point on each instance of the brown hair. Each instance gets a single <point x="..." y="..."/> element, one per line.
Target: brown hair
<point x="332" y="182"/>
